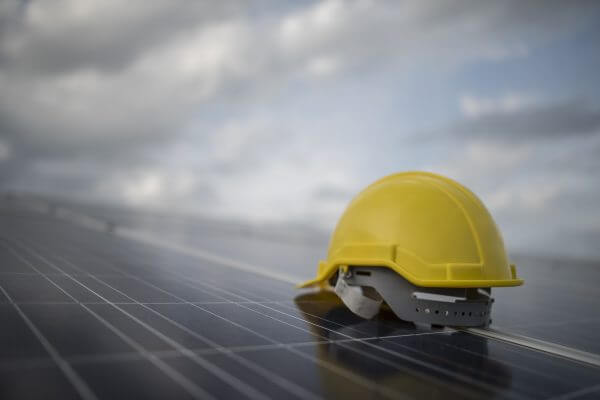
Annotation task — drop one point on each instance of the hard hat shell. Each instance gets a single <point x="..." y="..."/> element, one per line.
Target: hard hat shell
<point x="430" y="229"/>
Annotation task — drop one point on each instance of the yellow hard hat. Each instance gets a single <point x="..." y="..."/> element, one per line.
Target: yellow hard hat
<point x="428" y="229"/>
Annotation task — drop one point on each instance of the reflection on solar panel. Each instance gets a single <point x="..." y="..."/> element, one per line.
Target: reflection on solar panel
<point x="86" y="314"/>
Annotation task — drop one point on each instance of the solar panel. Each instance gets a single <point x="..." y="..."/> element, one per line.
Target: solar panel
<point x="94" y="315"/>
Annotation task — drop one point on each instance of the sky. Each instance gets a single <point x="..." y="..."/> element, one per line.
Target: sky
<point x="283" y="110"/>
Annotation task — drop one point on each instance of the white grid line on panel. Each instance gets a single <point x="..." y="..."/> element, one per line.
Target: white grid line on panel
<point x="224" y="375"/>
<point x="189" y="386"/>
<point x="72" y="376"/>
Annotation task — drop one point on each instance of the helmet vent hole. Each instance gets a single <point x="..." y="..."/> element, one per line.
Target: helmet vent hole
<point x="437" y="311"/>
<point x="463" y="313"/>
<point x="417" y="309"/>
<point x="363" y="273"/>
<point x="470" y="313"/>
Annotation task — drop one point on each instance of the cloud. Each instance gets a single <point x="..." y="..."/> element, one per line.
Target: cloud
<point x="60" y="36"/>
<point x="541" y="193"/>
<point x="5" y="151"/>
<point x="531" y="197"/>
<point x="476" y="107"/>
<point x="320" y="66"/>
<point x="97" y="78"/>
<point x="277" y="110"/>
<point x="523" y="117"/>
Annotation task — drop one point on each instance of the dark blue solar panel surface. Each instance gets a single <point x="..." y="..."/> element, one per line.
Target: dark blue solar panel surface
<point x="94" y="315"/>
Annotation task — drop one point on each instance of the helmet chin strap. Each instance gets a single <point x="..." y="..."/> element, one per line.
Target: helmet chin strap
<point x="363" y="290"/>
<point x="356" y="299"/>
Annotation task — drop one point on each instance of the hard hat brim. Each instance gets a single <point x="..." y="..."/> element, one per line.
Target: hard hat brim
<point x="326" y="271"/>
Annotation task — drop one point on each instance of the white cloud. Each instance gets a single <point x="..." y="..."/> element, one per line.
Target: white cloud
<point x="322" y="66"/>
<point x="317" y="23"/>
<point x="542" y="194"/>
<point x="283" y="191"/>
<point x="478" y="159"/>
<point x="5" y="151"/>
<point x="144" y="189"/>
<point x="202" y="56"/>
<point x="532" y="196"/>
<point x="160" y="187"/>
<point x="235" y="139"/>
<point x="217" y="106"/>
<point x="501" y="53"/>
<point x="490" y="155"/>
<point x="475" y="107"/>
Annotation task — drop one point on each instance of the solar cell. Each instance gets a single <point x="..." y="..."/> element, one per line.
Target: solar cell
<point x="92" y="315"/>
